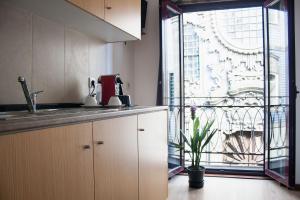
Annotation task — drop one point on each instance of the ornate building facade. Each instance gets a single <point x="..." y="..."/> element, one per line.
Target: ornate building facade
<point x="224" y="78"/>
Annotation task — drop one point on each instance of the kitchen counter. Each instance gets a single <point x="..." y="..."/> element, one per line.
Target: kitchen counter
<point x="12" y="122"/>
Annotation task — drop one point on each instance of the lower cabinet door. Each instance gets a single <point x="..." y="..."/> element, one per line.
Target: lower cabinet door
<point x="153" y="156"/>
<point x="48" y="164"/>
<point x="116" y="159"/>
<point x="7" y="168"/>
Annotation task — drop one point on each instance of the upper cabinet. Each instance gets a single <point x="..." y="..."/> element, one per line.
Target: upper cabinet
<point x="109" y="20"/>
<point x="125" y="14"/>
<point x="95" y="7"/>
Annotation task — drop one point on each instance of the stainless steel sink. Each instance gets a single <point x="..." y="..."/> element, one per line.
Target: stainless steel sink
<point x="18" y="115"/>
<point x="6" y="116"/>
<point x="11" y="115"/>
<point x="24" y="114"/>
<point x="48" y="110"/>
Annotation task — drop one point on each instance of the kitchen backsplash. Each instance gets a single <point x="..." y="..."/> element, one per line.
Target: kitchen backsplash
<point x="53" y="58"/>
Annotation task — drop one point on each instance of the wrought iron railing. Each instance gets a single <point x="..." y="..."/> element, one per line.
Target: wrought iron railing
<point x="239" y="141"/>
<point x="279" y="135"/>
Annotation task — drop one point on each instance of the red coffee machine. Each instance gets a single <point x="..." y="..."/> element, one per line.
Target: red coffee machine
<point x="111" y="86"/>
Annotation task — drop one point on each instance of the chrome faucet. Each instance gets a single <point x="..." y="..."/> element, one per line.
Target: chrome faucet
<point x="30" y="97"/>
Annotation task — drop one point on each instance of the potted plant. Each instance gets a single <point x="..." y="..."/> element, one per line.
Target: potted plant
<point x="197" y="141"/>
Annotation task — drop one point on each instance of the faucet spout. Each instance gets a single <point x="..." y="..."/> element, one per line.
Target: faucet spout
<point x="30" y="98"/>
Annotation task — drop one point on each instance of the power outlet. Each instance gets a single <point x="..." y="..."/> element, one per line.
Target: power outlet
<point x="92" y="82"/>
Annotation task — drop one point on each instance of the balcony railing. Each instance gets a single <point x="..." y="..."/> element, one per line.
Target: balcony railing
<point x="239" y="141"/>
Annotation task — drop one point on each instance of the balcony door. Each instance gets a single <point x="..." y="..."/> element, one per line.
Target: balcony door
<point x="171" y="81"/>
<point x="216" y="57"/>
<point x="280" y="92"/>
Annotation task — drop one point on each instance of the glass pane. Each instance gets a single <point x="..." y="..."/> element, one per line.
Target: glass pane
<point x="171" y="67"/>
<point x="278" y="89"/>
<point x="224" y="78"/>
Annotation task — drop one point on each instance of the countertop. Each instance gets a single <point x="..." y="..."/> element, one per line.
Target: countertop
<point x="23" y="121"/>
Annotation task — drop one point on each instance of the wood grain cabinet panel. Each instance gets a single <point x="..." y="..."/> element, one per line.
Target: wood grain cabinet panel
<point x="116" y="159"/>
<point x="49" y="164"/>
<point x="7" y="168"/>
<point x="124" y="14"/>
<point x="153" y="156"/>
<point x="122" y="158"/>
<point x="95" y="7"/>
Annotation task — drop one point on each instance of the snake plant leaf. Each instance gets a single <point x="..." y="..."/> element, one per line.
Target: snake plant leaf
<point x="206" y="129"/>
<point x="196" y="140"/>
<point x="186" y="140"/>
<point x="193" y="144"/>
<point x="204" y="132"/>
<point x="208" y="139"/>
<point x="196" y="126"/>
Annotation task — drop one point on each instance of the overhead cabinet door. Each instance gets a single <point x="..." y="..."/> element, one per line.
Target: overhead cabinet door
<point x="95" y="7"/>
<point x="125" y="14"/>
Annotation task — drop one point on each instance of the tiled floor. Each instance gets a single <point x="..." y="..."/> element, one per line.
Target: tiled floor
<point x="217" y="188"/>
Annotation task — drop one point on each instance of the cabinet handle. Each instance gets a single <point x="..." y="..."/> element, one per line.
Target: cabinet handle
<point x="100" y="142"/>
<point x="141" y="129"/>
<point x="108" y="7"/>
<point x="86" y="146"/>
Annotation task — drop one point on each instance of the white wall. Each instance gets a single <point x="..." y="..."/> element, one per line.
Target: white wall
<point x="146" y="58"/>
<point x="59" y="60"/>
<point x="123" y="63"/>
<point x="54" y="58"/>
<point x="297" y="33"/>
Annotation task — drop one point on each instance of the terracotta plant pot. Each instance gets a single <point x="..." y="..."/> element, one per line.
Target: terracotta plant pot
<point x="196" y="176"/>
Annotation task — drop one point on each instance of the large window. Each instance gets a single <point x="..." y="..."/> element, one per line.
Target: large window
<point x="223" y="65"/>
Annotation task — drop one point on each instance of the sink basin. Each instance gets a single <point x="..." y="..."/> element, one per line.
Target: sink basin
<point x="47" y="110"/>
<point x="12" y="115"/>
<point x="6" y="116"/>
<point x="44" y="111"/>
<point x="24" y="114"/>
<point x="18" y="115"/>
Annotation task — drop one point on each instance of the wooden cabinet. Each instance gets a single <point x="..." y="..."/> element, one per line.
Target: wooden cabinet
<point x="125" y="14"/>
<point x="49" y="164"/>
<point x="116" y="159"/>
<point x="108" y="20"/>
<point x="153" y="156"/>
<point x="95" y="7"/>
<point x="122" y="158"/>
<point x="7" y="168"/>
